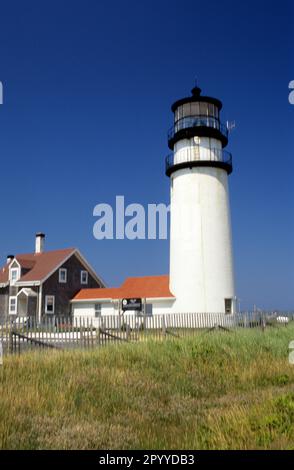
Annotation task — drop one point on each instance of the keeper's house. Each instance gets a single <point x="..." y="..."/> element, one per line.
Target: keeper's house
<point x="42" y="284"/>
<point x="149" y="295"/>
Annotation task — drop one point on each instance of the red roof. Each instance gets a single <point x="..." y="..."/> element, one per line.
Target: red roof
<point x="39" y="264"/>
<point x="141" y="287"/>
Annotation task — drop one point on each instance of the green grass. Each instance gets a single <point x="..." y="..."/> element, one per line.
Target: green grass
<point x="211" y="391"/>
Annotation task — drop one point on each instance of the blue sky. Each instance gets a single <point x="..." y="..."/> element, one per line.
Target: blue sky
<point x="87" y="92"/>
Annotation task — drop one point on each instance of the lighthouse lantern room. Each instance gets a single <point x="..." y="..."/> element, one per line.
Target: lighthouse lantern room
<point x="201" y="261"/>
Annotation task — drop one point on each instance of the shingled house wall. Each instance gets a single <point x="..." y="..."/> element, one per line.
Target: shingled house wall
<point x="64" y="292"/>
<point x="4" y="294"/>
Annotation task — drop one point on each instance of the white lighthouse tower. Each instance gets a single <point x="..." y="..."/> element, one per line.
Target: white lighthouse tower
<point x="201" y="261"/>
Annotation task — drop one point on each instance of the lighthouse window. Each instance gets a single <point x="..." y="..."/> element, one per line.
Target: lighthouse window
<point x="179" y="113"/>
<point x="211" y="111"/>
<point x="203" y="109"/>
<point x="228" y="305"/>
<point x="186" y="109"/>
<point x="195" y="109"/>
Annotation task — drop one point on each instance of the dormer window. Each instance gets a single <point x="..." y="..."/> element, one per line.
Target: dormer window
<point x="14" y="275"/>
<point x="62" y="275"/>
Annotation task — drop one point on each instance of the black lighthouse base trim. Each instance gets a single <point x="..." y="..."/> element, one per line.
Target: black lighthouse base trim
<point x="228" y="167"/>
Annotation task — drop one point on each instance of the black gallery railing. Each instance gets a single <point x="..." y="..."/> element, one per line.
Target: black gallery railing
<point x="198" y="153"/>
<point x="197" y="121"/>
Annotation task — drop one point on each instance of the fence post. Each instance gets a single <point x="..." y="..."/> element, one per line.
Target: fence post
<point x="84" y="337"/>
<point x="128" y="332"/>
<point x="163" y="325"/>
<point x="263" y="322"/>
<point x="11" y="342"/>
<point x="98" y="331"/>
<point x="92" y="334"/>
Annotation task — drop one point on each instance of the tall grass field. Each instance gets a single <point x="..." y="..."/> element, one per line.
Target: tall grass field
<point x="218" y="390"/>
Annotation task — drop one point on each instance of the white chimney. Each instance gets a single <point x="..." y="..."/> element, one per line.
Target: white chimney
<point x="39" y="246"/>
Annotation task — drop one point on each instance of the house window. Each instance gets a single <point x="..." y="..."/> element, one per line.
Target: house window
<point x="14" y="275"/>
<point x="84" y="277"/>
<point x="228" y="305"/>
<point x="116" y="306"/>
<point x="97" y="310"/>
<point x="49" y="303"/>
<point x="12" y="305"/>
<point x="149" y="309"/>
<point x="62" y="275"/>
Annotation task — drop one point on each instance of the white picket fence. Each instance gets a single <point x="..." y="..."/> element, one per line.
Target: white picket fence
<point x="67" y="332"/>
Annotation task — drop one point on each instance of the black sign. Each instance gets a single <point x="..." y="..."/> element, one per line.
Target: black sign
<point x="132" y="304"/>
